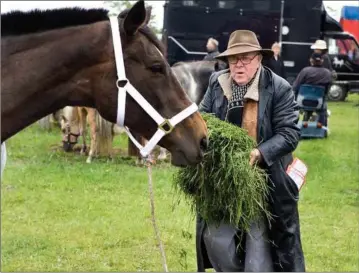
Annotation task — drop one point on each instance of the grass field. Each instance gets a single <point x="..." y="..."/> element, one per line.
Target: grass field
<point x="61" y="214"/>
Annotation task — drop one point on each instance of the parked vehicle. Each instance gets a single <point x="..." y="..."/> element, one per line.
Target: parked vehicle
<point x="295" y="24"/>
<point x="344" y="53"/>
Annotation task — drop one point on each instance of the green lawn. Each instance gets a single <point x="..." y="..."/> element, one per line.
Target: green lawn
<point x="61" y="214"/>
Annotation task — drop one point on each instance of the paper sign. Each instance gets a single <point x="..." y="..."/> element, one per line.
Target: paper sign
<point x="297" y="171"/>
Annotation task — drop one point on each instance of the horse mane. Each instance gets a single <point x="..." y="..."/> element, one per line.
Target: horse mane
<point x="20" y="23"/>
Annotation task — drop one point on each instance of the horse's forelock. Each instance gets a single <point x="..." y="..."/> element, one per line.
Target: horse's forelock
<point x="67" y="112"/>
<point x="70" y="113"/>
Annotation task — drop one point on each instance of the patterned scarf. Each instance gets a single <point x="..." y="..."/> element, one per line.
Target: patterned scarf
<point x="235" y="104"/>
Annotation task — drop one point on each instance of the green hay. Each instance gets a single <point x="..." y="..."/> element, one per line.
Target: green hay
<point x="224" y="187"/>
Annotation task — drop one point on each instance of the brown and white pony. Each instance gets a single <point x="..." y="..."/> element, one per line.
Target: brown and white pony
<point x="57" y="58"/>
<point x="74" y="122"/>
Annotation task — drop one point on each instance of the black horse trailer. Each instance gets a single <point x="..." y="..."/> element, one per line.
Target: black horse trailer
<point x="293" y="23"/>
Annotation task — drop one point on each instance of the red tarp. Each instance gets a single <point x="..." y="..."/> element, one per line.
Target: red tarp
<point x="351" y="26"/>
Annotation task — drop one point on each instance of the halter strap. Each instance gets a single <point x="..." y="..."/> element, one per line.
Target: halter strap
<point x="165" y="126"/>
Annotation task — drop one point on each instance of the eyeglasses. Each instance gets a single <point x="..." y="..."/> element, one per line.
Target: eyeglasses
<point x="244" y="59"/>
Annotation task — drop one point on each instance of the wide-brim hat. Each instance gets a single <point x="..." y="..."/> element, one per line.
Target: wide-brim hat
<point x="319" y="44"/>
<point x="244" y="41"/>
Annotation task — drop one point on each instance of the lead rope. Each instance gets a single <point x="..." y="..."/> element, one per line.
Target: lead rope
<point x="157" y="233"/>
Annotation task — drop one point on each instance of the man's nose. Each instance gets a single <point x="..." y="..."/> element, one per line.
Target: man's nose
<point x="239" y="63"/>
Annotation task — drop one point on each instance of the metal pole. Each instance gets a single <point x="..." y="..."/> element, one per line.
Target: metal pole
<point x="281" y="22"/>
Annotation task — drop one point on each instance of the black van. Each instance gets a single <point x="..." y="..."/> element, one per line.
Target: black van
<point x="295" y="24"/>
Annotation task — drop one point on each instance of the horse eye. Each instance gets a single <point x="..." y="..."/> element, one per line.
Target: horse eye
<point x="157" y="68"/>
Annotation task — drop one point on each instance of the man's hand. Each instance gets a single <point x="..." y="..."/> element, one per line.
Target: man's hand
<point x="255" y="157"/>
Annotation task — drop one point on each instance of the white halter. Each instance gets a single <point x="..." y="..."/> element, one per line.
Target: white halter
<point x="128" y="87"/>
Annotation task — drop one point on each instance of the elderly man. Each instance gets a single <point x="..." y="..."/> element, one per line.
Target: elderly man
<point x="253" y="97"/>
<point x="212" y="49"/>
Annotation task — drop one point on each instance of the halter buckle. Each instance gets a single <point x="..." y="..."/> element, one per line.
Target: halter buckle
<point x="121" y="83"/>
<point x="166" y="126"/>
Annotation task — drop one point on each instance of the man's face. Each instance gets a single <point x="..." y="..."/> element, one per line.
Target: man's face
<point x="276" y="50"/>
<point x="244" y="66"/>
<point x="210" y="45"/>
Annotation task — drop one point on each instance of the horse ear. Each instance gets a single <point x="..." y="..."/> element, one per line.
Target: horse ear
<point x="135" y="18"/>
<point x="148" y="14"/>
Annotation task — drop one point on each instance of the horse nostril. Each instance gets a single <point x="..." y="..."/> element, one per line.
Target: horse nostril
<point x="204" y="144"/>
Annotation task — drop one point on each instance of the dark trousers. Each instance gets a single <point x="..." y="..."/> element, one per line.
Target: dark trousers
<point x="283" y="231"/>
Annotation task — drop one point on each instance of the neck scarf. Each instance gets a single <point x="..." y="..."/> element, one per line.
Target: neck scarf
<point x="235" y="104"/>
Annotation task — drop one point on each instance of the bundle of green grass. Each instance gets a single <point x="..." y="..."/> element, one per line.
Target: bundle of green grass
<point x="224" y="188"/>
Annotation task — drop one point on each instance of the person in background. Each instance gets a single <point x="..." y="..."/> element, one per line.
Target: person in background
<point x="254" y="98"/>
<point x="316" y="74"/>
<point x="212" y="49"/>
<point x="276" y="63"/>
<point x="353" y="53"/>
<point x="320" y="46"/>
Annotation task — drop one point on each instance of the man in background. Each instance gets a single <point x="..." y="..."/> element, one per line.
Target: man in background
<point x="316" y="74"/>
<point x="320" y="46"/>
<point x="212" y="49"/>
<point x="276" y="63"/>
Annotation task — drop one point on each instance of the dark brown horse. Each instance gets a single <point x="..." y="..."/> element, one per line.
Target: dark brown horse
<point x="57" y="58"/>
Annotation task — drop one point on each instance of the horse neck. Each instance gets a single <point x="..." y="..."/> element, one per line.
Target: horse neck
<point x="202" y="71"/>
<point x="52" y="71"/>
<point x="194" y="77"/>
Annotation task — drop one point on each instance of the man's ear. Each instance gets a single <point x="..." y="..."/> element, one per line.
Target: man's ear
<point x="260" y="57"/>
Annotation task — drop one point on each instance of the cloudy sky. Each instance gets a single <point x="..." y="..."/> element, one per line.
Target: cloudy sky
<point x="334" y="6"/>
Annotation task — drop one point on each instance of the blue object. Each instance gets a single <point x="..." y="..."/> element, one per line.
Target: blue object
<point x="350" y="13"/>
<point x="310" y="130"/>
<point x="311" y="99"/>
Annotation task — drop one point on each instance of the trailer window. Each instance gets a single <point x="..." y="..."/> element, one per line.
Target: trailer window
<point x="226" y="4"/>
<point x="344" y="47"/>
<point x="332" y="47"/>
<point x="190" y="3"/>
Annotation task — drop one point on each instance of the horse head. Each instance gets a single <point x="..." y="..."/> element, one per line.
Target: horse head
<point x="149" y="72"/>
<point x="69" y="128"/>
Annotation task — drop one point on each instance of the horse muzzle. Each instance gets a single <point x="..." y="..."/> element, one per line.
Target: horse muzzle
<point x="67" y="146"/>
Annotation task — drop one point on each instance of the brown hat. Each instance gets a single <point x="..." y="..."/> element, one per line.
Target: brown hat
<point x="244" y="41"/>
